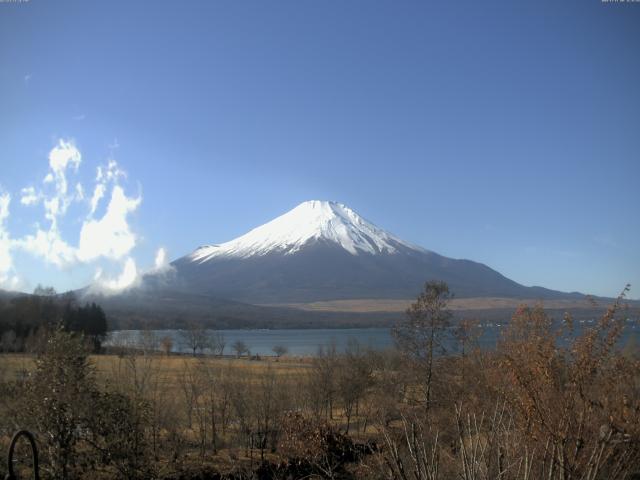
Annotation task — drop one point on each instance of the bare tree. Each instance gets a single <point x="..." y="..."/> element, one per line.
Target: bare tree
<point x="189" y="384"/>
<point x="213" y="400"/>
<point x="243" y="407"/>
<point x="421" y="334"/>
<point x="269" y="405"/>
<point x="466" y="337"/>
<point x="217" y="343"/>
<point x="194" y="338"/>
<point x="323" y="379"/>
<point x="240" y="348"/>
<point x="354" y="377"/>
<point x="280" y="350"/>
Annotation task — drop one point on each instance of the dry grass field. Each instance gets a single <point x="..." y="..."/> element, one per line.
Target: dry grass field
<point x="457" y="304"/>
<point x="13" y="366"/>
<point x="173" y="386"/>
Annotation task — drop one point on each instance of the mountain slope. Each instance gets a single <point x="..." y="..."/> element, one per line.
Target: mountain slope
<point x="307" y="223"/>
<point x="326" y="251"/>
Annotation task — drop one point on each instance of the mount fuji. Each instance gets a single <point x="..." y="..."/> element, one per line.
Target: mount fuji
<point x="324" y="251"/>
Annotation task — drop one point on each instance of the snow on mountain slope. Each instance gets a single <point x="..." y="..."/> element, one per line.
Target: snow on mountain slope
<point x="310" y="221"/>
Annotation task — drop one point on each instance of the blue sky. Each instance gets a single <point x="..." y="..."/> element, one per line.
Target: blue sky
<point x="504" y="132"/>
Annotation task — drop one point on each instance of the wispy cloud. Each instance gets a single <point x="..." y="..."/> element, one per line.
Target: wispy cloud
<point x="161" y="259"/>
<point x="106" y="238"/>
<point x="127" y="278"/>
<point x="62" y="156"/>
<point x="98" y="193"/>
<point x="28" y="196"/>
<point x="161" y="264"/>
<point x="7" y="278"/>
<point x="56" y="198"/>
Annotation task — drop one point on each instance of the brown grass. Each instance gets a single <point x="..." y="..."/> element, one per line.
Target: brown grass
<point x="14" y="365"/>
<point x="457" y="304"/>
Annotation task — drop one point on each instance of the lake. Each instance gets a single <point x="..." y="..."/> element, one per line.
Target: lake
<point x="306" y="342"/>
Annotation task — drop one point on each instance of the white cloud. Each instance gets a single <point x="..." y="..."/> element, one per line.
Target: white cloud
<point x="127" y="278"/>
<point x="98" y="193"/>
<point x="110" y="236"/>
<point x="49" y="245"/>
<point x="6" y="262"/>
<point x="112" y="173"/>
<point x="12" y="283"/>
<point x="5" y="200"/>
<point x="105" y="175"/>
<point x="161" y="264"/>
<point x="63" y="155"/>
<point x="29" y="196"/>
<point x="161" y="259"/>
<point x="8" y="279"/>
<point x="52" y="209"/>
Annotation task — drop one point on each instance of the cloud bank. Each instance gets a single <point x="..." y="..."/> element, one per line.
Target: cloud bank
<point x="108" y="238"/>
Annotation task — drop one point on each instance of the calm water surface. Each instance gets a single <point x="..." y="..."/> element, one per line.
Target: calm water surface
<point x="306" y="342"/>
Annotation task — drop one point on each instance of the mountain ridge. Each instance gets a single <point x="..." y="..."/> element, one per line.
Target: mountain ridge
<point x="321" y="251"/>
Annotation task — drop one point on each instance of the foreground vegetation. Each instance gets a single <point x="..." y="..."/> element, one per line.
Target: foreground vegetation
<point x="545" y="404"/>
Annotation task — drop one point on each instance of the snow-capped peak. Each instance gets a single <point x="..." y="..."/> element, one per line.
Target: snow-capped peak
<point x="310" y="221"/>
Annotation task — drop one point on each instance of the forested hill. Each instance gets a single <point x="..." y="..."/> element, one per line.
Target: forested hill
<point x="25" y="318"/>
